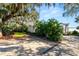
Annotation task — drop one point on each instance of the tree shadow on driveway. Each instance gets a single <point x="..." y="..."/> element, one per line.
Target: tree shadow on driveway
<point x="42" y="47"/>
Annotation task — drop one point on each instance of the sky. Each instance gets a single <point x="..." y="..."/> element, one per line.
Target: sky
<point x="56" y="12"/>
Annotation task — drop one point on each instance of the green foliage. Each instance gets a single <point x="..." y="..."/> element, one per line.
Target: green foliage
<point x="7" y="29"/>
<point x="22" y="28"/>
<point x="77" y="19"/>
<point x="11" y="28"/>
<point x="54" y="30"/>
<point x="8" y="11"/>
<point x="40" y="28"/>
<point x="77" y="27"/>
<point x="75" y="33"/>
<point x="71" y="9"/>
<point x="69" y="33"/>
<point x="50" y="29"/>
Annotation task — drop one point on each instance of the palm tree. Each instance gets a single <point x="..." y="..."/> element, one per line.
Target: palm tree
<point x="71" y="9"/>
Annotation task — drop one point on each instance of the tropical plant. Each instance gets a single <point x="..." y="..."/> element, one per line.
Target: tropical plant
<point x="51" y="29"/>
<point x="40" y="28"/>
<point x="54" y="30"/>
<point x="71" y="9"/>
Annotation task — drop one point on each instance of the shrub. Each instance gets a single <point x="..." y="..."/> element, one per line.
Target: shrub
<point x="54" y="30"/>
<point x="7" y="29"/>
<point x="22" y="28"/>
<point x="75" y="32"/>
<point x="69" y="33"/>
<point x="40" y="28"/>
<point x="50" y="29"/>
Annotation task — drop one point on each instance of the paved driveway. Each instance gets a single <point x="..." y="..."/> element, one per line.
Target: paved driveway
<point x="34" y="46"/>
<point x="68" y="47"/>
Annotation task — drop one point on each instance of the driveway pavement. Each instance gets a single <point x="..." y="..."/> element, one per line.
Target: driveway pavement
<point x="34" y="46"/>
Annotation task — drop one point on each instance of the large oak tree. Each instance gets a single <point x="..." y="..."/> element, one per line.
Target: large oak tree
<point x="10" y="10"/>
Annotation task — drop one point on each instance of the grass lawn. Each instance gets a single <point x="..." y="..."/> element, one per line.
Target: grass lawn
<point x="19" y="34"/>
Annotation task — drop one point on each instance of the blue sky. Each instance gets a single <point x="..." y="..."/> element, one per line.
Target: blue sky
<point x="56" y="12"/>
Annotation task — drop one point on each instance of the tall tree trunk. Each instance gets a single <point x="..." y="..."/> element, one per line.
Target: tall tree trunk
<point x="0" y="28"/>
<point x="8" y="16"/>
<point x="0" y="33"/>
<point x="3" y="21"/>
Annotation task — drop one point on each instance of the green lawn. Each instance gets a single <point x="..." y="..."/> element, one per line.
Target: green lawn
<point x="19" y="34"/>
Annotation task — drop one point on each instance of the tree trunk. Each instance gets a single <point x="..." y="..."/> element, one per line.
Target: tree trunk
<point x="0" y="33"/>
<point x="3" y="21"/>
<point x="8" y="16"/>
<point x="0" y="28"/>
